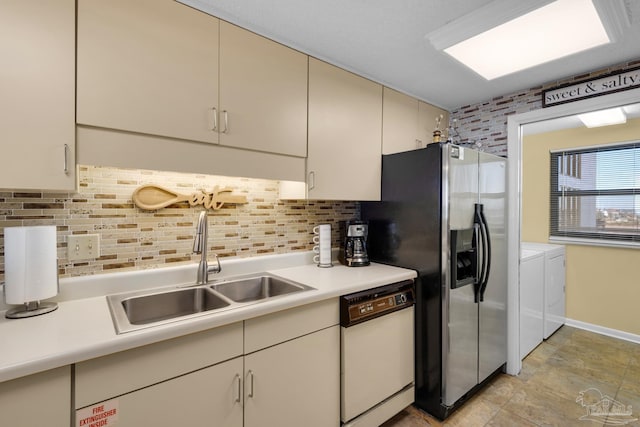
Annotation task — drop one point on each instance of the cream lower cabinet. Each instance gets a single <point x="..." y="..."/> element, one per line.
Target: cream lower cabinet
<point x="43" y="398"/>
<point x="408" y="123"/>
<point x="345" y="135"/>
<point x="37" y="95"/>
<point x="273" y="370"/>
<point x="295" y="383"/>
<point x="208" y="397"/>
<point x="190" y="380"/>
<point x="292" y="367"/>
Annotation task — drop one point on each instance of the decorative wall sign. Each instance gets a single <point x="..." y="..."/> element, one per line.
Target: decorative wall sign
<point x="152" y="197"/>
<point x="610" y="83"/>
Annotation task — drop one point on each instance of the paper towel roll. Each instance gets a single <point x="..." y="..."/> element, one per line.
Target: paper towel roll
<point x="30" y="263"/>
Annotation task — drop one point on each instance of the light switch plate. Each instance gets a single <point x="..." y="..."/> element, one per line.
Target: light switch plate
<point x="83" y="246"/>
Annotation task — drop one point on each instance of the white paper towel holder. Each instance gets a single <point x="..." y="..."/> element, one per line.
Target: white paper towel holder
<point x="31" y="270"/>
<point x="29" y="309"/>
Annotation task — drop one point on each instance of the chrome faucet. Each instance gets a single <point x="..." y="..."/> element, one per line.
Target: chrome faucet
<point x="200" y="247"/>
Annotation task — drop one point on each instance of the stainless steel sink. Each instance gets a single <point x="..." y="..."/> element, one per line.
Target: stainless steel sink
<point x="142" y="309"/>
<point x="257" y="288"/>
<point x="167" y="305"/>
<point x="131" y="311"/>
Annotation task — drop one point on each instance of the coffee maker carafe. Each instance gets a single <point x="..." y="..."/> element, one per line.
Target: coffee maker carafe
<point x="353" y="243"/>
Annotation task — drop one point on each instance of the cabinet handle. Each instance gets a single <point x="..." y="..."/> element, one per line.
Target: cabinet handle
<point x="312" y="180"/>
<point x="214" y="119"/>
<point x="250" y="375"/>
<point x="239" y="395"/>
<point x="66" y="159"/>
<point x="226" y="121"/>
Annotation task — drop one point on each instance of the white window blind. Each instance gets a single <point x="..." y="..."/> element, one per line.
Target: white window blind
<point x="595" y="193"/>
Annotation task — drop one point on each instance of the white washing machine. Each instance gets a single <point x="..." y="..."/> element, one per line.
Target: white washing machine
<point x="554" y="285"/>
<point x="531" y="300"/>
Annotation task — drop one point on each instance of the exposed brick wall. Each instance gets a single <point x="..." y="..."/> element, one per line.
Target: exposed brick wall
<point x="485" y="123"/>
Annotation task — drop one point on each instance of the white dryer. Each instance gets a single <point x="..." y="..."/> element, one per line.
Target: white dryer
<point x="554" y="284"/>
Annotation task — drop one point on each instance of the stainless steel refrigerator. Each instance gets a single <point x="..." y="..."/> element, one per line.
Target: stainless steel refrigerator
<point x="443" y="213"/>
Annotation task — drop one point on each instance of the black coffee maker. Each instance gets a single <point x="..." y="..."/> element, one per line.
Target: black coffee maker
<point x="353" y="243"/>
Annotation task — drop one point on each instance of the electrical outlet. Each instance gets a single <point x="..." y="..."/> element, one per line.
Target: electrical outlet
<point x="83" y="246"/>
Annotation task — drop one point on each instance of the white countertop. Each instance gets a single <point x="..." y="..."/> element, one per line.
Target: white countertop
<point x="81" y="328"/>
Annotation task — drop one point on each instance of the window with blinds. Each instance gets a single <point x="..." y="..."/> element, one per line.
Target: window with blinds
<point x="595" y="193"/>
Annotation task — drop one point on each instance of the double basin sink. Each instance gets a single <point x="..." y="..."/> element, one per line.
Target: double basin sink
<point x="136" y="310"/>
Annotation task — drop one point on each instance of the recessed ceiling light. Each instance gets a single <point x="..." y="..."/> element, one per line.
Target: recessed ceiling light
<point x="553" y="31"/>
<point x="611" y="116"/>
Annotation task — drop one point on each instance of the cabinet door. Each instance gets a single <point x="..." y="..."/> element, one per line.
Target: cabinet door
<point x="209" y="397"/>
<point x="24" y="401"/>
<point x="148" y="66"/>
<point x="263" y="93"/>
<point x="399" y="123"/>
<point x="345" y="135"/>
<point x="37" y="105"/>
<point x="427" y="115"/>
<point x="294" y="383"/>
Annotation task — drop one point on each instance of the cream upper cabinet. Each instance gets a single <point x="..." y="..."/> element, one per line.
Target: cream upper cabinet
<point x="345" y="135"/>
<point x="263" y="93"/>
<point x="37" y="102"/>
<point x="148" y="66"/>
<point x="399" y="122"/>
<point x="408" y="123"/>
<point x="28" y="401"/>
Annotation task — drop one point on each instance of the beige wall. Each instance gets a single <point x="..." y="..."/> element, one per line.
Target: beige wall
<point x="603" y="287"/>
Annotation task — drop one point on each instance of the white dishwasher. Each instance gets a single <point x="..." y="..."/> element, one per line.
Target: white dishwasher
<point x="377" y="354"/>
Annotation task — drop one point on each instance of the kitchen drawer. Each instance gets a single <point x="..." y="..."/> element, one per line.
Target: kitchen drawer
<point x="108" y="376"/>
<point x="271" y="329"/>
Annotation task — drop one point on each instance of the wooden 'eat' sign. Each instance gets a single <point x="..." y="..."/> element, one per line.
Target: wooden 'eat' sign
<point x="152" y="197"/>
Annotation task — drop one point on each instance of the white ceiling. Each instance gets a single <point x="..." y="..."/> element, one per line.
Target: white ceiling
<point x="385" y="41"/>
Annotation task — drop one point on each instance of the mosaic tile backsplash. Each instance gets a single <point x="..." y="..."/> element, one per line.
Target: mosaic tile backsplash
<point x="132" y="239"/>
<point x="484" y="125"/>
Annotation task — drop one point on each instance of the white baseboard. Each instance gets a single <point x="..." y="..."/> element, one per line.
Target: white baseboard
<point x="615" y="333"/>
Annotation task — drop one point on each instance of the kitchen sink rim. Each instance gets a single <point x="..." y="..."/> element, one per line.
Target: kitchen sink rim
<point x="123" y="325"/>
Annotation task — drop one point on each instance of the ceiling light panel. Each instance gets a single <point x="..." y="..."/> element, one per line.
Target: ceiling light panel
<point x="558" y="29"/>
<point x="611" y="116"/>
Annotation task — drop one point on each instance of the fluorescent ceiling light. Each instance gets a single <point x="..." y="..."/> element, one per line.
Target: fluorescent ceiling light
<point x="558" y="29"/>
<point x="611" y="116"/>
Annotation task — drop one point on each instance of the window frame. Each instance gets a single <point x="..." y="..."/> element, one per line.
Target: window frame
<point x="557" y="196"/>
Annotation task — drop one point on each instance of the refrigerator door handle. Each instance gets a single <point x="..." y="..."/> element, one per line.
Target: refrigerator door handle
<point x="484" y="261"/>
<point x="477" y="243"/>
<point x="480" y="248"/>
<point x="486" y="251"/>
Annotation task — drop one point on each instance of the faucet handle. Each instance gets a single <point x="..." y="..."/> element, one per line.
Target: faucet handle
<point x="217" y="268"/>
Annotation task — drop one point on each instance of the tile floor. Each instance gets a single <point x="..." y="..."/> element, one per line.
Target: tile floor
<point x="547" y="390"/>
